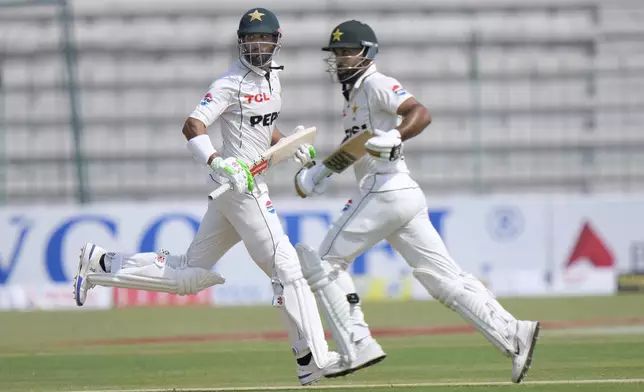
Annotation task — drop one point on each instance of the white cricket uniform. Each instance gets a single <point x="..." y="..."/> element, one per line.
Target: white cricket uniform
<point x="248" y="103"/>
<point x="390" y="205"/>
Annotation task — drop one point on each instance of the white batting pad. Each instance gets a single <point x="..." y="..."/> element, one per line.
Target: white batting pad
<point x="190" y="280"/>
<point x="472" y="301"/>
<point x="331" y="300"/>
<point x="299" y="304"/>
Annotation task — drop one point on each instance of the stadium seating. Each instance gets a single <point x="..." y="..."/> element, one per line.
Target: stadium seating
<point x="526" y="96"/>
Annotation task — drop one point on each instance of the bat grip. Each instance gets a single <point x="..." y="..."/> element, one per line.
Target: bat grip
<point x="219" y="191"/>
<point x="326" y="172"/>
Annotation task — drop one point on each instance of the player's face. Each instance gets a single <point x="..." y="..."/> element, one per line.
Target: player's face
<point x="348" y="62"/>
<point x="259" y="48"/>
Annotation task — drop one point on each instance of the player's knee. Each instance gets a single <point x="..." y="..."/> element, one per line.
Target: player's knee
<point x="287" y="265"/>
<point x="435" y="285"/>
<point x="190" y="280"/>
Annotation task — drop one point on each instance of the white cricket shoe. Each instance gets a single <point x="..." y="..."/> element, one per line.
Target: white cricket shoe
<point x="90" y="256"/>
<point x="308" y="374"/>
<point x="525" y="340"/>
<point x="368" y="352"/>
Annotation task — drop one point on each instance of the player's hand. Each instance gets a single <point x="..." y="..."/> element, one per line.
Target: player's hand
<point x="236" y="171"/>
<point x="305" y="184"/>
<point x="304" y="154"/>
<point x="385" y="146"/>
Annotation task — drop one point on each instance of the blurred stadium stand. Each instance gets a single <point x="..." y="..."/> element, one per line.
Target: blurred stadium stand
<point x="527" y="96"/>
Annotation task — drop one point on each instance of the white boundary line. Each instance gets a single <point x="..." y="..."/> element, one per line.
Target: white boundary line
<point x="369" y="386"/>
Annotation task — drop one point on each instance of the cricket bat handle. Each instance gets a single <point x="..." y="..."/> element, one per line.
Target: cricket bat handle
<point x="219" y="191"/>
<point x="326" y="172"/>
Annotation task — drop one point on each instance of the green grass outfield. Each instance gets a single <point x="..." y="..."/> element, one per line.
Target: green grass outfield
<point x="587" y="344"/>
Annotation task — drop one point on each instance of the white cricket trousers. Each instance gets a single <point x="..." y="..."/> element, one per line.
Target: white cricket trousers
<point x="393" y="207"/>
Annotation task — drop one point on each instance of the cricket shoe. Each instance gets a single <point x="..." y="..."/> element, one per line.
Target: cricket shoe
<point x="368" y="353"/>
<point x="90" y="257"/>
<point x="311" y="373"/>
<point x="525" y="341"/>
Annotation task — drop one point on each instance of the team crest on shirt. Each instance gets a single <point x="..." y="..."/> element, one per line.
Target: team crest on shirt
<point x="269" y="207"/>
<point x="398" y="90"/>
<point x="206" y="100"/>
<point x="347" y="206"/>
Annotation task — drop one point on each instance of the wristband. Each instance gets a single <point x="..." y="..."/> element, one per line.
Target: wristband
<point x="201" y="148"/>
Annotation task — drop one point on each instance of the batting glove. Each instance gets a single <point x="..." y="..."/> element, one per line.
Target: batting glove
<point x="236" y="171"/>
<point x="305" y="178"/>
<point x="385" y="146"/>
<point x="306" y="152"/>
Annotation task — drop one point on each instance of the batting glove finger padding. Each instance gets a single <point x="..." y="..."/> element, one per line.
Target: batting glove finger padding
<point x="385" y="146"/>
<point x="304" y="154"/>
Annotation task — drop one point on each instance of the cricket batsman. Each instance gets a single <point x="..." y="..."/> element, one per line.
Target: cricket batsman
<point x="390" y="205"/>
<point x="247" y="98"/>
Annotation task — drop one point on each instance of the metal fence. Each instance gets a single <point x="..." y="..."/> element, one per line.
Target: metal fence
<point x="539" y="96"/>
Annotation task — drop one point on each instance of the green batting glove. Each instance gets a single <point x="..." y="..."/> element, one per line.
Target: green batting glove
<point x="249" y="176"/>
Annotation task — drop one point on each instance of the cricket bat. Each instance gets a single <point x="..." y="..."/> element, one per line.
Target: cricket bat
<point x="280" y="152"/>
<point x="345" y="155"/>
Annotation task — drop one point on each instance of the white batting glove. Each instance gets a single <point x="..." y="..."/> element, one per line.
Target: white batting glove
<point x="385" y="146"/>
<point x="306" y="152"/>
<point x="236" y="171"/>
<point x="305" y="181"/>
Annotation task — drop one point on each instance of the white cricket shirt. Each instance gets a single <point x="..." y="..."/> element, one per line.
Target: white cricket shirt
<point x="248" y="103"/>
<point x="373" y="103"/>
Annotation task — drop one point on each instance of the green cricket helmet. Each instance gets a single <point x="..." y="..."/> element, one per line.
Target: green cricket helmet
<point x="356" y="35"/>
<point x="259" y="37"/>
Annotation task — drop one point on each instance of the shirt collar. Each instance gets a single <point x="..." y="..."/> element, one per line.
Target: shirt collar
<point x="370" y="71"/>
<point x="257" y="70"/>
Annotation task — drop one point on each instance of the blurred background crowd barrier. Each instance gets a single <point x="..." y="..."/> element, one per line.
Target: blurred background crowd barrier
<point x="527" y="96"/>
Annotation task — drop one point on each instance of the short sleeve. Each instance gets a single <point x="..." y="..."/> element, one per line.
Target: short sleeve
<point x="388" y="93"/>
<point x="218" y="98"/>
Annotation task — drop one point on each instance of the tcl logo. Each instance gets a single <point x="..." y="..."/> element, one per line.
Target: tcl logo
<point x="257" y="98"/>
<point x="265" y="120"/>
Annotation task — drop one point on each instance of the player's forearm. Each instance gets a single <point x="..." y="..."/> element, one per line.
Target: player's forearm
<point x="414" y="122"/>
<point x="199" y="143"/>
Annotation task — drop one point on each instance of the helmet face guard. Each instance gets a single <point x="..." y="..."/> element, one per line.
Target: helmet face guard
<point x="258" y="53"/>
<point x="337" y="65"/>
